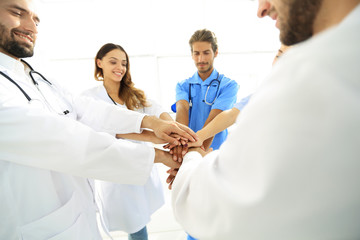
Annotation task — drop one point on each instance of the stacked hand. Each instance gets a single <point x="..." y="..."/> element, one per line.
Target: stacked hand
<point x="178" y="152"/>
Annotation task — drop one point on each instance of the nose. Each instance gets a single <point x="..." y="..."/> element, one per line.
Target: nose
<point x="31" y="25"/>
<point x="263" y="9"/>
<point x="201" y="57"/>
<point x="122" y="69"/>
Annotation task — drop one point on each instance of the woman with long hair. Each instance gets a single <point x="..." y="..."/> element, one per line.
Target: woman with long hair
<point x="126" y="207"/>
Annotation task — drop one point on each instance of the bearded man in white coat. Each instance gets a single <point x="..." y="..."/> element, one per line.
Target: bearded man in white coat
<point x="290" y="168"/>
<point x="46" y="154"/>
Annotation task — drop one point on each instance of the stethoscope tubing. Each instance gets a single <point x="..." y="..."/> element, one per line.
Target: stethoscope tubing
<point x="207" y="90"/>
<point x="17" y="85"/>
<point x="32" y="71"/>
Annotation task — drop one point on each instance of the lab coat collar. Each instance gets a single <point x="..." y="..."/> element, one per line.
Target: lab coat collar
<point x="105" y="96"/>
<point x="197" y="80"/>
<point x="353" y="16"/>
<point x="10" y="64"/>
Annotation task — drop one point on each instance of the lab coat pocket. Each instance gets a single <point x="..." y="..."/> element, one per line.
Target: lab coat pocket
<point x="64" y="223"/>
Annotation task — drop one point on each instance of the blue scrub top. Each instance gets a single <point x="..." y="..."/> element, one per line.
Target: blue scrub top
<point x="225" y="99"/>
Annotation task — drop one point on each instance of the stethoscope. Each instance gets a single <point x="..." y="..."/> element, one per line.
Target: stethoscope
<point x="207" y="90"/>
<point x="36" y="83"/>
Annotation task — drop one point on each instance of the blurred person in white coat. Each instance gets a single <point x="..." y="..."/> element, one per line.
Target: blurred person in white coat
<point x="126" y="207"/>
<point x="290" y="169"/>
<point x="46" y="150"/>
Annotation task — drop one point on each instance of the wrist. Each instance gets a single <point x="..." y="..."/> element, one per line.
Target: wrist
<point x="148" y="122"/>
<point x="201" y="135"/>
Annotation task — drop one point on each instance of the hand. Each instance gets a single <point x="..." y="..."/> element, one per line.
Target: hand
<point x="173" y="171"/>
<point x="182" y="141"/>
<point x="178" y="152"/>
<point x="153" y="138"/>
<point x="165" y="129"/>
<point x="197" y="143"/>
<point x="165" y="158"/>
<point x="172" y="174"/>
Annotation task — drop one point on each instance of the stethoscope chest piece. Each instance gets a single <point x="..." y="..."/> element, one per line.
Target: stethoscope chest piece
<point x="214" y="83"/>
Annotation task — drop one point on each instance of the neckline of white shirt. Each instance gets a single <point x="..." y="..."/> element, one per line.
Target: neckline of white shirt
<point x="15" y="67"/>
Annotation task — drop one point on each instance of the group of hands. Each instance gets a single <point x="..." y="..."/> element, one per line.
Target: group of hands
<point x="179" y="140"/>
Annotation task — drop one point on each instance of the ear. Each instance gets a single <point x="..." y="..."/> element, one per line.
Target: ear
<point x="98" y="63"/>
<point x="216" y="53"/>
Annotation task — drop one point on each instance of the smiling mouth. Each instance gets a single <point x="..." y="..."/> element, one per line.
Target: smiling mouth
<point x="24" y="36"/>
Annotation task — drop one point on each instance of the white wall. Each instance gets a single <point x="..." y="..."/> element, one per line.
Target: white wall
<point x="155" y="34"/>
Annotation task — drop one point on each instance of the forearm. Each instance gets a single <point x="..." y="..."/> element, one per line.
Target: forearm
<point x="104" y="117"/>
<point x="145" y="136"/>
<point x="221" y="122"/>
<point x="149" y="122"/>
<point x="182" y="112"/>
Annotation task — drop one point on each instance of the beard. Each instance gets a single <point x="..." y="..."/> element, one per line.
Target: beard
<point x="300" y="20"/>
<point x="205" y="70"/>
<point x="12" y="47"/>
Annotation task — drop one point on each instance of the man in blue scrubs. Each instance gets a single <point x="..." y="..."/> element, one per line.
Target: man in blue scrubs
<point x="200" y="98"/>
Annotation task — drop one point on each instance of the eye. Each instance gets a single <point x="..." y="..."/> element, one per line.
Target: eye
<point x="16" y="13"/>
<point x="112" y="62"/>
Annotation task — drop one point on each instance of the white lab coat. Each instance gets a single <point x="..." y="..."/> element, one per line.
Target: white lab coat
<point x="290" y="168"/>
<point x="45" y="159"/>
<point x="127" y="207"/>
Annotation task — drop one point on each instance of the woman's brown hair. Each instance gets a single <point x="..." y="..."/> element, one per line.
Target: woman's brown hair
<point x="133" y="98"/>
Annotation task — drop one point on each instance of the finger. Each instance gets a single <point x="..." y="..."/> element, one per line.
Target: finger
<point x="175" y="135"/>
<point x="174" y="172"/>
<point x="169" y="178"/>
<point x="172" y="164"/>
<point x="169" y="139"/>
<point x="171" y="183"/>
<point x="171" y="146"/>
<point x="184" y="150"/>
<point x="186" y="132"/>
<point x="174" y="153"/>
<point x="179" y="153"/>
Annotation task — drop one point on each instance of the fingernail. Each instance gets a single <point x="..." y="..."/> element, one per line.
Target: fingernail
<point x="185" y="145"/>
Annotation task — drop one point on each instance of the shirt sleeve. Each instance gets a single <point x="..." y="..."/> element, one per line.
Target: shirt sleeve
<point x="227" y="95"/>
<point x="243" y="102"/>
<point x="182" y="91"/>
<point x="35" y="138"/>
<point x="105" y="117"/>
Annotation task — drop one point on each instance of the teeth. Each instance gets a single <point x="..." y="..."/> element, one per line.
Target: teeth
<point x="24" y="37"/>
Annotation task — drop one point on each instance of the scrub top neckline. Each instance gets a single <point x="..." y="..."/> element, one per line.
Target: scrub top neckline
<point x="197" y="80"/>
